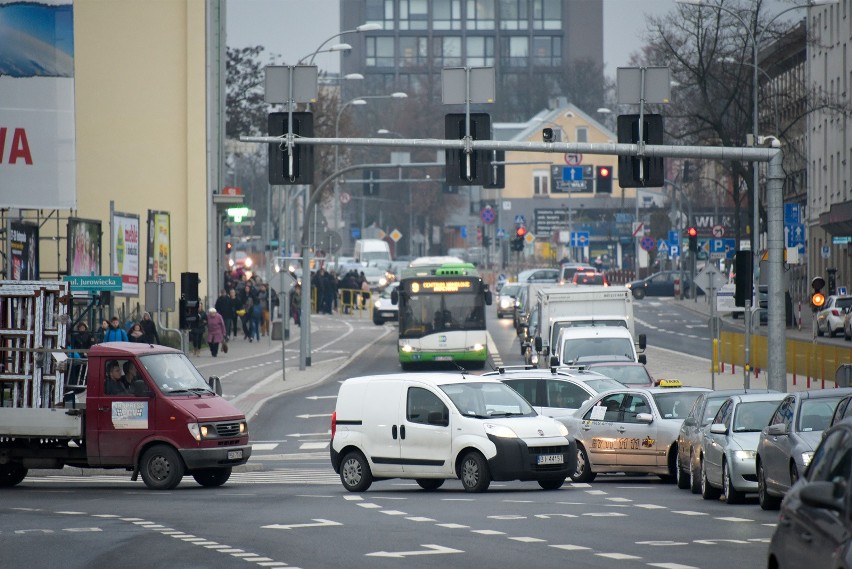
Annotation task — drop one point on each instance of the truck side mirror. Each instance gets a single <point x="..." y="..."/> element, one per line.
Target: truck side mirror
<point x="140" y="389"/>
<point x="538" y="343"/>
<point x="643" y="359"/>
<point x="215" y="384"/>
<point x="488" y="298"/>
<point x="642" y="341"/>
<point x="395" y="296"/>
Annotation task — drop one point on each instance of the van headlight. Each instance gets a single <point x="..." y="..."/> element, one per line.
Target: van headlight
<point x="197" y="431"/>
<point x="500" y="431"/>
<point x="563" y="430"/>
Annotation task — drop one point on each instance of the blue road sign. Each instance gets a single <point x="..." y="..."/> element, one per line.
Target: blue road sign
<point x="519" y="219"/>
<point x="794" y="234"/>
<point x="674" y="250"/>
<point x="662" y="246"/>
<point x="580" y="238"/>
<point x="488" y="215"/>
<point x="572" y="174"/>
<point x="501" y="233"/>
<point x="463" y="232"/>
<point x="501" y="278"/>
<point x="647" y="243"/>
<point x="792" y="213"/>
<point x="722" y="248"/>
<point x="674" y="238"/>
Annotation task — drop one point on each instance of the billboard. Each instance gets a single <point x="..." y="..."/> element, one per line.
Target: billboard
<point x="125" y="247"/>
<point x="37" y="129"/>
<point x="24" y="248"/>
<point x="159" y="246"/>
<point x="84" y="247"/>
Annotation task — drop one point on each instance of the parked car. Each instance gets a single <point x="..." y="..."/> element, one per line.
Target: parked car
<point x="539" y="276"/>
<point x="830" y="318"/>
<point x="383" y="309"/>
<point x="506" y="299"/>
<point x="589" y="277"/>
<point x="558" y="392"/>
<point x="660" y="284"/>
<point x="630" y="430"/>
<point x="816" y="514"/>
<point x="689" y="438"/>
<point x="629" y="373"/>
<point x="787" y="443"/>
<point x="729" y="445"/>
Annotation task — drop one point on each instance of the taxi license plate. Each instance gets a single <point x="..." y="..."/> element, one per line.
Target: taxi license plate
<point x="443" y="358"/>
<point x="235" y="454"/>
<point x="549" y="459"/>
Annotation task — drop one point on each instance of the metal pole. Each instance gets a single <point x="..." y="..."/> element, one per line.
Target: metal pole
<point x="777" y="353"/>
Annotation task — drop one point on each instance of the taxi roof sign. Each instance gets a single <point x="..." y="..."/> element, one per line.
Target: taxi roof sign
<point x="670" y="383"/>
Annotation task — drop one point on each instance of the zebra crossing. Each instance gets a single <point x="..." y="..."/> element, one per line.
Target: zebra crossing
<point x="294" y="476"/>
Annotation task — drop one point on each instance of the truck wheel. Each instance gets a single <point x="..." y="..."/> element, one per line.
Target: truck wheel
<point x="355" y="472"/>
<point x="474" y="473"/>
<point x="161" y="468"/>
<point x="430" y="483"/>
<point x="583" y="472"/>
<point x="551" y="483"/>
<point x="211" y="477"/>
<point x="11" y="474"/>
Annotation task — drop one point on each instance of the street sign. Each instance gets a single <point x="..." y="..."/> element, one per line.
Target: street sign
<point x="572" y="174"/>
<point x="647" y="243"/>
<point x="794" y="234"/>
<point x="674" y="250"/>
<point x="792" y="213"/>
<point x="93" y="282"/>
<point x="722" y="248"/>
<point x="501" y="278"/>
<point x="663" y="246"/>
<point x="580" y="238"/>
<point x="710" y="278"/>
<point x="638" y="227"/>
<point x="519" y="219"/>
<point x="488" y="215"/>
<point x="825" y="251"/>
<point x="501" y="233"/>
<point x="841" y="291"/>
<point x="345" y="197"/>
<point x="573" y="159"/>
<point x="395" y="235"/>
<point x="674" y="238"/>
<point x="718" y="231"/>
<point x="529" y="237"/>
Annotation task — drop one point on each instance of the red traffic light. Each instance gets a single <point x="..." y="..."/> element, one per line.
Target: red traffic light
<point x="603" y="172"/>
<point x="521" y="231"/>
<point x="692" y="232"/>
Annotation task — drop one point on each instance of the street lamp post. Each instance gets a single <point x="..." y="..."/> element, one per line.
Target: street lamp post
<point x="755" y="36"/>
<point x="361" y="28"/>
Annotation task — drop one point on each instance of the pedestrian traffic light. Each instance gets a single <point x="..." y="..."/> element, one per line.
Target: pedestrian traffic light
<point x="692" y="233"/>
<point x="303" y="155"/>
<point x="743" y="263"/>
<point x="652" y="171"/>
<point x="603" y="175"/>
<point x="463" y="169"/>
<point x="817" y="297"/>
<point x="229" y="247"/>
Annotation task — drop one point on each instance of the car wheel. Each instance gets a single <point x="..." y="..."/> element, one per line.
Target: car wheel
<point x="378" y="321"/>
<point x="694" y="476"/>
<point x="161" y="468"/>
<point x="794" y="474"/>
<point x="212" y="477"/>
<point x="819" y="330"/>
<point x="732" y="495"/>
<point x="583" y="472"/>
<point x="638" y="293"/>
<point x="355" y="472"/>
<point x="682" y="475"/>
<point x="474" y="473"/>
<point x="551" y="483"/>
<point x="11" y="474"/>
<point x="430" y="483"/>
<point x="831" y="332"/>
<point x="708" y="492"/>
<point x="767" y="502"/>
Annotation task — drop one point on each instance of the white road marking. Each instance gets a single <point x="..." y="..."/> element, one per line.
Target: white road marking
<point x="431" y="549"/>
<point x="605" y="515"/>
<point x="617" y="556"/>
<point x="672" y="566"/>
<point x="488" y="532"/>
<point x="369" y="506"/>
<point x="690" y="513"/>
<point x="317" y="523"/>
<point x="263" y="446"/>
<point x="661" y="543"/>
<point x="453" y="526"/>
<point x="650" y="506"/>
<point x="312" y="416"/>
<point x="568" y="547"/>
<point x="313" y="446"/>
<point x="732" y="519"/>
<point x="419" y="519"/>
<point x="394" y="513"/>
<point x="528" y="539"/>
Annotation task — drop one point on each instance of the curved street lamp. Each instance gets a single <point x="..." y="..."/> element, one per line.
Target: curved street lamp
<point x="361" y="28"/>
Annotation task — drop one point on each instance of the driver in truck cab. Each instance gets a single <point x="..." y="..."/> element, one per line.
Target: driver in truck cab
<point x="115" y="384"/>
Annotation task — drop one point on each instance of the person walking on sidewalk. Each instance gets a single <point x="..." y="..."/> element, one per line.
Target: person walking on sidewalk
<point x="115" y="333"/>
<point x="215" y="331"/>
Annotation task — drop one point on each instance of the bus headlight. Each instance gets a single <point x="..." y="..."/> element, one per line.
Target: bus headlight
<point x="407" y="348"/>
<point x="478" y="347"/>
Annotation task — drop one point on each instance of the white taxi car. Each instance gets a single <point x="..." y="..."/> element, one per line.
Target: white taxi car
<point x="631" y="430"/>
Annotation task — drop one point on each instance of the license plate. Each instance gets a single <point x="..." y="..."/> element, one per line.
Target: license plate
<point x="235" y="454"/>
<point x="388" y="314"/>
<point x="549" y="459"/>
<point x="443" y="358"/>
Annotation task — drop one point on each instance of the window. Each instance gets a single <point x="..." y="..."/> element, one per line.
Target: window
<point x="446" y="14"/>
<point x="547" y="51"/>
<point x="784" y="413"/>
<point x="582" y="134"/>
<point x="513" y="14"/>
<point x="480" y="51"/>
<point x="541" y="182"/>
<point x="832" y="458"/>
<point x="515" y="52"/>
<point x="426" y="408"/>
<point x="380" y="12"/>
<point x="413" y="15"/>
<point x="447" y="52"/>
<point x="547" y="14"/>
<point x="565" y="395"/>
<point x="528" y="388"/>
<point x="610" y="412"/>
<point x="480" y="15"/>
<point x="380" y="52"/>
<point x="634" y="405"/>
<point x="413" y="51"/>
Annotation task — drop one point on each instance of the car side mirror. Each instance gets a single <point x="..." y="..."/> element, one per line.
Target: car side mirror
<point x="554" y="361"/>
<point x="689" y="422"/>
<point x="777" y="429"/>
<point x="538" y="343"/>
<point x="488" y="298"/>
<point x="215" y="384"/>
<point x="395" y="296"/>
<point x="823" y="494"/>
<point x="718" y="429"/>
<point x="644" y="417"/>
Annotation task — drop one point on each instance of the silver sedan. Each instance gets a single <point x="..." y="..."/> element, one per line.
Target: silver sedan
<point x="630" y="430"/>
<point x="729" y="446"/>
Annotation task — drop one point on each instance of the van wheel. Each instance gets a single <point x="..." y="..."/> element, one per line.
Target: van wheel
<point x="708" y="492"/>
<point x="767" y="501"/>
<point x="681" y="473"/>
<point x="355" y="472"/>
<point x="732" y="495"/>
<point x="11" y="474"/>
<point x="474" y="473"/>
<point x="161" y="468"/>
<point x="551" y="483"/>
<point x="212" y="477"/>
<point x="583" y="472"/>
<point x="430" y="483"/>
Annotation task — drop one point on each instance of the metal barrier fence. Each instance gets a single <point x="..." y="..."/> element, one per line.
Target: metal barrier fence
<point x="352" y="302"/>
<point x="806" y="361"/>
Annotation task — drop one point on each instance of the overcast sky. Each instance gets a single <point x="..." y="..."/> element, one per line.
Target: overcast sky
<point x="295" y="28"/>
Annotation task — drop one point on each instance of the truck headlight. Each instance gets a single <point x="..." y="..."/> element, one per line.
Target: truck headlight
<point x="500" y="431"/>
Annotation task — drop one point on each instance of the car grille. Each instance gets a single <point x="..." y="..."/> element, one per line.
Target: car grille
<point x="227" y="429"/>
<point x="535" y="451"/>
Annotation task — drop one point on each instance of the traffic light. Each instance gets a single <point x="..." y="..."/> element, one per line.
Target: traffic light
<point x="653" y="173"/>
<point x="457" y="171"/>
<point x="743" y="262"/>
<point x="303" y="155"/>
<point x="188" y="313"/>
<point x="817" y="297"/>
<point x="832" y="280"/>
<point x="687" y="172"/>
<point x="603" y="175"/>
<point x="518" y="239"/>
<point x="692" y="233"/>
<point x="229" y="247"/>
<point x="371" y="188"/>
<point x="189" y="286"/>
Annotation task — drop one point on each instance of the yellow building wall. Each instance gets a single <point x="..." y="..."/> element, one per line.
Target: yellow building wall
<point x="140" y="98"/>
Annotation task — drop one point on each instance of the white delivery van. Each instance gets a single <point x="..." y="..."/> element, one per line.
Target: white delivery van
<point x="576" y="346"/>
<point x="436" y="426"/>
<point x="375" y="252"/>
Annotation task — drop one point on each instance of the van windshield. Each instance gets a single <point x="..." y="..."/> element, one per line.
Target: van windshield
<point x="562" y="324"/>
<point x="174" y="374"/>
<point x="575" y="349"/>
<point x="485" y="400"/>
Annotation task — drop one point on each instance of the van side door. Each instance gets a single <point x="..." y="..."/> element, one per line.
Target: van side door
<point x="123" y="419"/>
<point x="383" y="409"/>
<point x="425" y="436"/>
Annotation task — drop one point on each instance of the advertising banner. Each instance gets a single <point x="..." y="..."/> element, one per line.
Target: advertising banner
<point x="125" y="247"/>
<point x="159" y="246"/>
<point x="84" y="247"/>
<point x="24" y="251"/>
<point x="37" y="130"/>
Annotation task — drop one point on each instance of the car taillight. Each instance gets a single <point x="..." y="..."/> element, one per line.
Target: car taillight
<point x="333" y="424"/>
<point x="835" y="313"/>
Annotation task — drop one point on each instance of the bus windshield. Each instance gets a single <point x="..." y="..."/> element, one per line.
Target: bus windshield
<point x="426" y="309"/>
